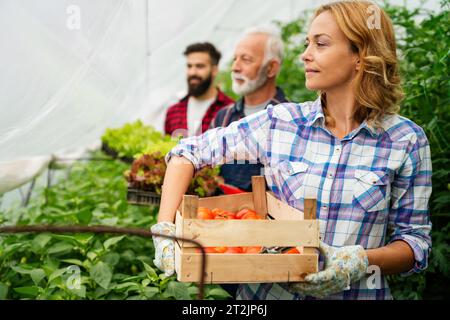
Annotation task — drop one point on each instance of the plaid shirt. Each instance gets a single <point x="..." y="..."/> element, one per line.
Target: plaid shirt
<point x="240" y="175"/>
<point x="372" y="187"/>
<point x="176" y="117"/>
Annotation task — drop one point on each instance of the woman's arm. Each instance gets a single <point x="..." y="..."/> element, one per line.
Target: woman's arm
<point x="396" y="257"/>
<point x="409" y="216"/>
<point x="241" y="140"/>
<point x="178" y="175"/>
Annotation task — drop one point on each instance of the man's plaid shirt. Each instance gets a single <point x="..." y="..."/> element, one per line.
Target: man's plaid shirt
<point x="372" y="187"/>
<point x="176" y="116"/>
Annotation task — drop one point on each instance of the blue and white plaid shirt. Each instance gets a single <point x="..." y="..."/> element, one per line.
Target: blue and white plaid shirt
<point x="372" y="187"/>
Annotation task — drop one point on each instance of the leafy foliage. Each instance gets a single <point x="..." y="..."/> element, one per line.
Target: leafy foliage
<point x="46" y="266"/>
<point x="147" y="173"/>
<point x="423" y="41"/>
<point x="135" y="139"/>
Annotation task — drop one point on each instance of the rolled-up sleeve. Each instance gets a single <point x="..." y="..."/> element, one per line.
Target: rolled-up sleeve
<point x="242" y="140"/>
<point x="409" y="217"/>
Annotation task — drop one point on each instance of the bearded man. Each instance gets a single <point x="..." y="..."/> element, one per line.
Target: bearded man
<point x="193" y="114"/>
<point x="257" y="61"/>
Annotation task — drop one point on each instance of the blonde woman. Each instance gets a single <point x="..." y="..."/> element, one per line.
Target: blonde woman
<point x="368" y="167"/>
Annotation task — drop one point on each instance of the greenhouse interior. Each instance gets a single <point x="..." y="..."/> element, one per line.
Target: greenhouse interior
<point x="99" y="95"/>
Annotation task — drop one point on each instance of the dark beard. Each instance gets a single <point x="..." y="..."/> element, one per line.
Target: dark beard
<point x="197" y="90"/>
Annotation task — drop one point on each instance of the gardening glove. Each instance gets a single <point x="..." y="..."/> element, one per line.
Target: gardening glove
<point x="343" y="266"/>
<point x="164" y="247"/>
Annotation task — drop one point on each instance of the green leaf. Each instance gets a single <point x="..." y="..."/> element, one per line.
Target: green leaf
<point x="112" y="241"/>
<point x="150" y="292"/>
<point x="56" y="274"/>
<point x="60" y="247"/>
<point x="126" y="285"/>
<point x="37" y="275"/>
<point x="101" y="273"/>
<point x="40" y="241"/>
<point x="120" y="206"/>
<point x="81" y="291"/>
<point x="110" y="221"/>
<point x="84" y="238"/>
<point x="218" y="293"/>
<point x="99" y="291"/>
<point x="73" y="261"/>
<point x="22" y="270"/>
<point x="84" y="216"/>
<point x="91" y="255"/>
<point x="3" y="291"/>
<point x="111" y="258"/>
<point x="29" y="291"/>
<point x="151" y="273"/>
<point x="178" y="290"/>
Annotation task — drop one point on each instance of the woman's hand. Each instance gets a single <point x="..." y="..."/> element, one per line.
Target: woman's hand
<point x="343" y="266"/>
<point x="164" y="247"/>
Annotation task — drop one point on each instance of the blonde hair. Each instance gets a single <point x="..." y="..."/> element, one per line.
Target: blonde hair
<point x="370" y="31"/>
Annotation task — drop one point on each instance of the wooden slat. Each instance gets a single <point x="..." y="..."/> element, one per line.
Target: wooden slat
<point x="233" y="202"/>
<point x="189" y="206"/>
<point x="280" y="210"/>
<point x="259" y="195"/>
<point x="178" y="258"/>
<point x="248" y="268"/>
<point x="310" y="208"/>
<point x="179" y="222"/>
<point x="251" y="232"/>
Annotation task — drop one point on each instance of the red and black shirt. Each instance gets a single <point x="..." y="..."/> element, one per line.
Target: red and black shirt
<point x="176" y="117"/>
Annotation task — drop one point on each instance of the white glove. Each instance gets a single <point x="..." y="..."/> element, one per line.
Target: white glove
<point x="164" y="247"/>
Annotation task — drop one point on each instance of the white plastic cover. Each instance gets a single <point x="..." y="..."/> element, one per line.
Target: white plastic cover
<point x="70" y="69"/>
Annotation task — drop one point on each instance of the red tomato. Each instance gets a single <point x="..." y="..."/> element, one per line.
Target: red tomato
<point x="242" y="212"/>
<point x="251" y="216"/>
<point x="234" y="250"/>
<point x="254" y="249"/>
<point x="220" y="249"/>
<point x="216" y="211"/>
<point x="204" y="213"/>
<point x="292" y="251"/>
<point x="225" y="215"/>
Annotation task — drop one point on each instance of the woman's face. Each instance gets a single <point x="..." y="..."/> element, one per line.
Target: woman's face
<point x="329" y="61"/>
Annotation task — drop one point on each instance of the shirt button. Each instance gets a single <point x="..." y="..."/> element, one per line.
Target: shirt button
<point x="338" y="149"/>
<point x="325" y="207"/>
<point x="330" y="175"/>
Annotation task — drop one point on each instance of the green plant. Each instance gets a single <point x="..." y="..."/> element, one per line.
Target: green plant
<point x="44" y="266"/>
<point x="134" y="139"/>
<point x="147" y="173"/>
<point x="423" y="39"/>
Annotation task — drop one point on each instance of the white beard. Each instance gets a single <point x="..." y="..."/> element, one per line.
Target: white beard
<point x="249" y="86"/>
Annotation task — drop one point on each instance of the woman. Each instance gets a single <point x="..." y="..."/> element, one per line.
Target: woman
<point x="368" y="168"/>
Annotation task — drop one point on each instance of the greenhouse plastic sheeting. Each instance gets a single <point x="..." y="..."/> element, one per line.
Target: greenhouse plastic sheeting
<point x="70" y="69"/>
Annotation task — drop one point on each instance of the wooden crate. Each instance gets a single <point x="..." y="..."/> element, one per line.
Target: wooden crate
<point x="288" y="227"/>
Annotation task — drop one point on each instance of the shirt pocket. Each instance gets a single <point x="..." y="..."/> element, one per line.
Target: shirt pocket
<point x="293" y="176"/>
<point x="371" y="190"/>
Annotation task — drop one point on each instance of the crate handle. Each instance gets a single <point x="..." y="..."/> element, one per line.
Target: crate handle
<point x="259" y="195"/>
